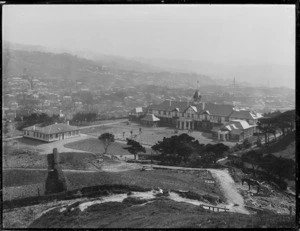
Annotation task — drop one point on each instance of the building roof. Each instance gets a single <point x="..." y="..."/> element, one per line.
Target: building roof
<point x="150" y="117"/>
<point x="169" y="105"/>
<point x="241" y="124"/>
<point x="244" y="114"/>
<point x="52" y="129"/>
<point x="218" y="109"/>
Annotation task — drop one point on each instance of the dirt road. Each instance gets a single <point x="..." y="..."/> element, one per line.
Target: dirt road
<point x="227" y="186"/>
<point x="230" y="191"/>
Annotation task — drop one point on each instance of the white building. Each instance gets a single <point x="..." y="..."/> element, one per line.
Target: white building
<point x="52" y="132"/>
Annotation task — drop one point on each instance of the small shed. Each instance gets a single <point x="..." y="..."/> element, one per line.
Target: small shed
<point x="150" y="120"/>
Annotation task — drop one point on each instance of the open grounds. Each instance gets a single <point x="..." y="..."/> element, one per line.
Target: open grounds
<point x="148" y="135"/>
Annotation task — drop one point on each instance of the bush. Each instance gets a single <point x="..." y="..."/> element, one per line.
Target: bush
<point x="134" y="201"/>
<point x="212" y="198"/>
<point x="247" y="143"/>
<point x="190" y="195"/>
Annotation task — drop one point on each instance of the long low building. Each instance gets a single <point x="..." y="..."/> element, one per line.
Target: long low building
<point x="54" y="132"/>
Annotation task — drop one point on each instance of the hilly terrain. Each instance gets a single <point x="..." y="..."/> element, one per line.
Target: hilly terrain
<point x="41" y="62"/>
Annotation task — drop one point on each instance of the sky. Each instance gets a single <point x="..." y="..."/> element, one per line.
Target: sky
<point x="224" y="34"/>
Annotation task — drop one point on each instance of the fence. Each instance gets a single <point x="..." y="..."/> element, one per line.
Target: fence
<point x="213" y="208"/>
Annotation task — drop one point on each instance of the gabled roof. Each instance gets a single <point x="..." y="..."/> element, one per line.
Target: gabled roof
<point x="139" y="110"/>
<point x="169" y="105"/>
<point x="52" y="129"/>
<point x="243" y="114"/>
<point x="241" y="124"/>
<point x="219" y="109"/>
<point x="151" y="118"/>
<point x="193" y="107"/>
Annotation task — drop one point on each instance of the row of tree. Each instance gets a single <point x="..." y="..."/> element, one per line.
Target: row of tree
<point x="35" y="118"/>
<point x="278" y="166"/>
<point x="175" y="150"/>
<point x="284" y="122"/>
<point x="81" y="116"/>
<point x="185" y="149"/>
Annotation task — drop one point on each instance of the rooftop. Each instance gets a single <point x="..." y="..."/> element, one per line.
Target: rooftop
<point x="52" y="129"/>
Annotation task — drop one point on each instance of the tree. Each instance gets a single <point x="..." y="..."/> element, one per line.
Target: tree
<point x="107" y="139"/>
<point x="176" y="149"/>
<point x="264" y="126"/>
<point x="134" y="147"/>
<point x="246" y="143"/>
<point x="254" y="158"/>
<point x="209" y="158"/>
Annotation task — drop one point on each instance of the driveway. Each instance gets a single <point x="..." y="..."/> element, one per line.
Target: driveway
<point x="48" y="147"/>
<point x="227" y="186"/>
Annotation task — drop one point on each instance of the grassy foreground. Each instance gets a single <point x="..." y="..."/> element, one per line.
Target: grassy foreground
<point x="166" y="179"/>
<point x="158" y="214"/>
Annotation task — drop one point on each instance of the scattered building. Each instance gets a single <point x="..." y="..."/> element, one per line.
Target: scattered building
<point x="226" y="122"/>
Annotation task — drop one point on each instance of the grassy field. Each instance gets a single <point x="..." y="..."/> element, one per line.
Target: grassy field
<point x="94" y="145"/>
<point x="158" y="214"/>
<point x="166" y="179"/>
<point x="147" y="135"/>
<point x="68" y="160"/>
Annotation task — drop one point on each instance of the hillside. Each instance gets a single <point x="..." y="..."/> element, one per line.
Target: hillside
<point x="41" y="62"/>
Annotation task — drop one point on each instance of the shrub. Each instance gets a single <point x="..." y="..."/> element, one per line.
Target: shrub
<point x="134" y="200"/>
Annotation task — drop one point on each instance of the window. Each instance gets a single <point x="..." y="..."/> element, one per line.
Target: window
<point x="192" y="115"/>
<point x="165" y="112"/>
<point x="56" y="135"/>
<point x="51" y="137"/>
<point x="69" y="134"/>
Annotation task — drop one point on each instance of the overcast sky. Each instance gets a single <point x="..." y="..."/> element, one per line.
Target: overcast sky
<point x="227" y="34"/>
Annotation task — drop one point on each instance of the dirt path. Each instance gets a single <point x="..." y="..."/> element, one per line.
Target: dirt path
<point x="230" y="191"/>
<point x="48" y="147"/>
<point x="104" y="124"/>
<point x="227" y="186"/>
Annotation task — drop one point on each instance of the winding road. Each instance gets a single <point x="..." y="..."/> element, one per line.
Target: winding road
<point x="226" y="183"/>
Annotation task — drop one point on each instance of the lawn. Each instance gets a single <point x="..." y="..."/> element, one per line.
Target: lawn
<point x="94" y="145"/>
<point x="68" y="160"/>
<point x="166" y="179"/>
<point x="148" y="135"/>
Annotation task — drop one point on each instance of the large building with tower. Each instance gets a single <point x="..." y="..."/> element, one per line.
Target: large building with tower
<point x="226" y="122"/>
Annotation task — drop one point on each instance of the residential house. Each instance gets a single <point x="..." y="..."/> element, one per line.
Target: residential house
<point x="52" y="132"/>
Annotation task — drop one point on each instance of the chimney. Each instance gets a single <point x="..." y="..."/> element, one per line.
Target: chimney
<point x="55" y="156"/>
<point x="170" y="103"/>
<point x="68" y="123"/>
<point x="33" y="127"/>
<point x="203" y="106"/>
<point x="55" y="122"/>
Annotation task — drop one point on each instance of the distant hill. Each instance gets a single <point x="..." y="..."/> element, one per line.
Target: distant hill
<point x="41" y="62"/>
<point x="276" y="75"/>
